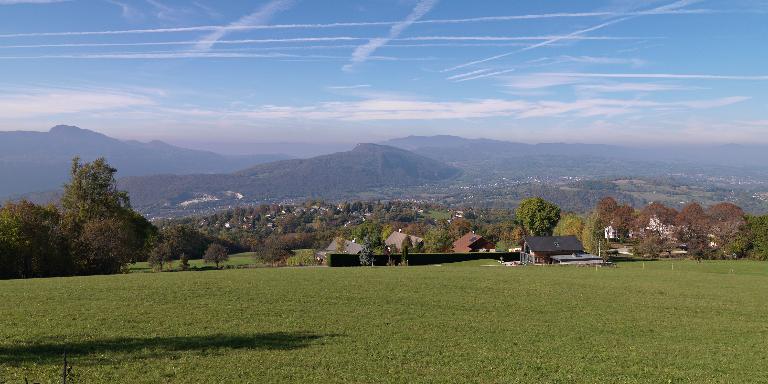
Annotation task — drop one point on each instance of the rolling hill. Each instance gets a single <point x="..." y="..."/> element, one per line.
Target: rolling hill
<point x="366" y="167"/>
<point x="39" y="161"/>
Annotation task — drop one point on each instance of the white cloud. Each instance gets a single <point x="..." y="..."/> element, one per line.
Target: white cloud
<point x="656" y="76"/>
<point x="656" y="11"/>
<point x="538" y="81"/>
<point x="53" y="101"/>
<point x="357" y="86"/>
<point x="13" y="2"/>
<point x="259" y="17"/>
<point x="391" y="109"/>
<point x="361" y="53"/>
<point x="631" y="87"/>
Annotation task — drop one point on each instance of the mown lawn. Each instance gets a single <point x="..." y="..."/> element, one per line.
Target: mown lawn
<point x="239" y="259"/>
<point x="637" y="323"/>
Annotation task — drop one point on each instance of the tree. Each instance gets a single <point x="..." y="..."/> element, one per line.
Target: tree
<point x="606" y="209"/>
<point x="104" y="232"/>
<point x="184" y="262"/>
<point x="692" y="228"/>
<point x="216" y="254"/>
<point x="570" y="225"/>
<point x="620" y="217"/>
<point x="727" y="222"/>
<point x="439" y="239"/>
<point x="459" y="227"/>
<point x="161" y="255"/>
<point x="538" y="216"/>
<point x="32" y="243"/>
<point x="275" y="251"/>
<point x="757" y="232"/>
<point x="664" y="216"/>
<point x="651" y="246"/>
<point x="92" y="192"/>
<point x="405" y="248"/>
<point x="366" y="255"/>
<point x="104" y="247"/>
<point x="593" y="235"/>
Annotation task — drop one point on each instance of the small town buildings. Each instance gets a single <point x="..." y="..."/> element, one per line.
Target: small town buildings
<point x="611" y="233"/>
<point x="395" y="240"/>
<point x="472" y="242"/>
<point x="555" y="250"/>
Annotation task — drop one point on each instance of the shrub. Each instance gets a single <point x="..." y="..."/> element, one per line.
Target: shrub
<point x="301" y="258"/>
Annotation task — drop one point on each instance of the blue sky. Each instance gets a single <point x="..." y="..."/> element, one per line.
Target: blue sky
<point x="210" y="73"/>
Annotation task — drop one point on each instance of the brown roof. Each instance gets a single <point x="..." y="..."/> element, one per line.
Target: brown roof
<point x="396" y="239"/>
<point x="471" y="242"/>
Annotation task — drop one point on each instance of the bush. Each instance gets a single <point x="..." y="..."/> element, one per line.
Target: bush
<point x="345" y="260"/>
<point x="301" y="258"/>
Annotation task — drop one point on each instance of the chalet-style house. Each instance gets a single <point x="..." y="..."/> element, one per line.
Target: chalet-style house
<point x="395" y="240"/>
<point x="472" y="242"/>
<point x="611" y="233"/>
<point x="350" y="247"/>
<point x="555" y="250"/>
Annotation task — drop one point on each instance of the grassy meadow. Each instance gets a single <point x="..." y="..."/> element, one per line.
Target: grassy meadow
<point x="642" y="322"/>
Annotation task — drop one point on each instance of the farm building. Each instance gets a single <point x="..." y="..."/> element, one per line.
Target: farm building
<point x="395" y="240"/>
<point x="555" y="250"/>
<point x="472" y="242"/>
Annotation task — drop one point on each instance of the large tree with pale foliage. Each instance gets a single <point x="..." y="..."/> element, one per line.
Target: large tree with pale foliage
<point x="538" y="216"/>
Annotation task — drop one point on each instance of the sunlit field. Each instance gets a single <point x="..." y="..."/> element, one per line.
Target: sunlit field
<point x="639" y="322"/>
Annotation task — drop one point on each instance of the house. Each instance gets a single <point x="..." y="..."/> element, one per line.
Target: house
<point x="350" y="247"/>
<point x="611" y="233"/>
<point x="472" y="242"/>
<point x="395" y="240"/>
<point x="553" y="249"/>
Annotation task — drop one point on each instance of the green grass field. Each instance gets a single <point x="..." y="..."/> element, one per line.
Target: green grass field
<point x="240" y="259"/>
<point x="637" y="323"/>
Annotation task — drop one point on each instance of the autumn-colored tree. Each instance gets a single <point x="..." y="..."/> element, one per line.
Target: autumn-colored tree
<point x="692" y="228"/>
<point x="439" y="238"/>
<point x="593" y="235"/>
<point x="216" y="254"/>
<point x="727" y="222"/>
<point x="570" y="224"/>
<point x="620" y="217"/>
<point x="665" y="216"/>
<point x="459" y="227"/>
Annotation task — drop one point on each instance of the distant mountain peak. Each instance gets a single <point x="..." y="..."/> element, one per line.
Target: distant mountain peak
<point x="71" y="130"/>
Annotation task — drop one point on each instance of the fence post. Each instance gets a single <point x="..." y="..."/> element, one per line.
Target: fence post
<point x="64" y="370"/>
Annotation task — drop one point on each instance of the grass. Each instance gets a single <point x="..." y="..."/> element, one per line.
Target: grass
<point x="642" y="322"/>
<point x="235" y="260"/>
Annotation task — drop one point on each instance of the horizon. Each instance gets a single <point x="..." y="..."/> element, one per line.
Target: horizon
<point x="306" y="149"/>
<point x="205" y="75"/>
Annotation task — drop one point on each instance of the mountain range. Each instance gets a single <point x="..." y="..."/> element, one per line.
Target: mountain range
<point x="163" y="179"/>
<point x="366" y="167"/>
<point x="454" y="148"/>
<point x="40" y="161"/>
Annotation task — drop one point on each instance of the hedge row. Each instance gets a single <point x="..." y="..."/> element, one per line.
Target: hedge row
<point x="345" y="260"/>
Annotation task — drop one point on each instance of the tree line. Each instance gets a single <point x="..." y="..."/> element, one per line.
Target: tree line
<point x="92" y="231"/>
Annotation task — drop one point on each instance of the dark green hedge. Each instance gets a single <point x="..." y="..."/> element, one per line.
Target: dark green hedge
<point x="345" y="260"/>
